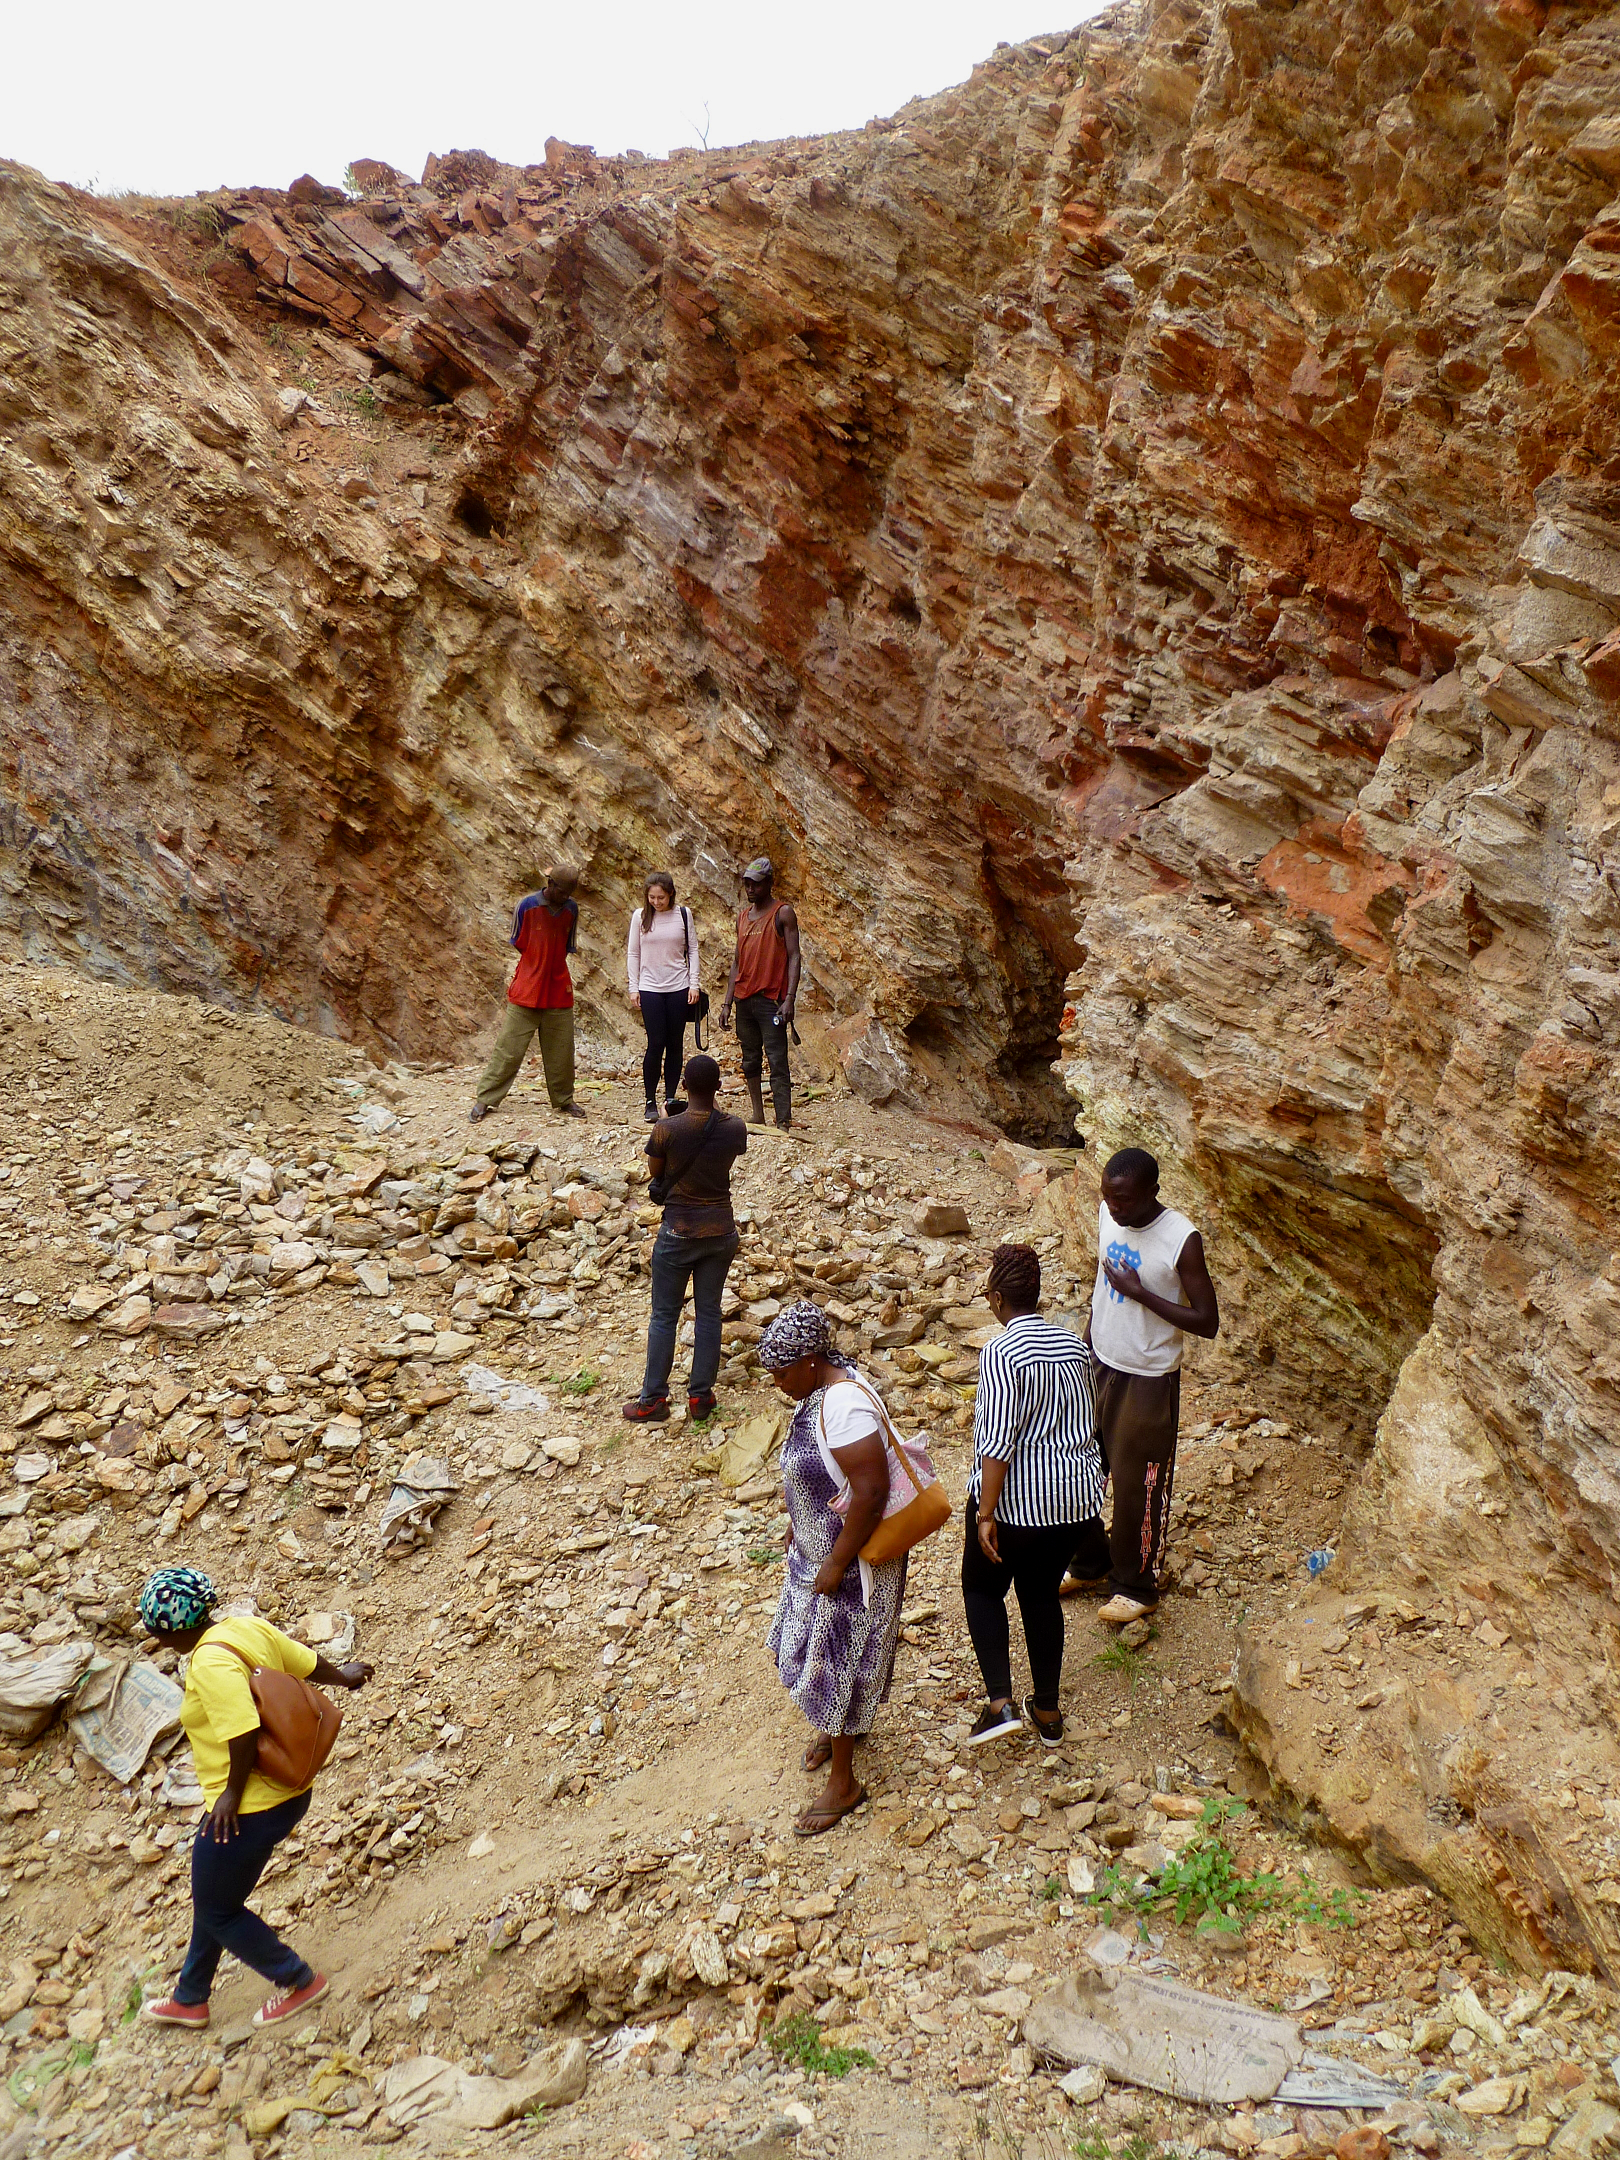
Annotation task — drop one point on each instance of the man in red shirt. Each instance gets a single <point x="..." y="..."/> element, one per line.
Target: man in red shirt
<point x="539" y="999"/>
<point x="764" y="987"/>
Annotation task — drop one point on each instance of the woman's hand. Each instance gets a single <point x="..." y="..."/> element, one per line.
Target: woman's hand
<point x="635" y="1000"/>
<point x="220" y="1823"/>
<point x="866" y="1466"/>
<point x="987" y="1539"/>
<point x="353" y="1675"/>
<point x="691" y="997"/>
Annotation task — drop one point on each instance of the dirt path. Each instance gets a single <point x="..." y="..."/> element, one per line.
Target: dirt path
<point x="566" y="1805"/>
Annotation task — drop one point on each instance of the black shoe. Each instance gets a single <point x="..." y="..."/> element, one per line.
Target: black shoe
<point x="700" y="1405"/>
<point x="991" y="1723"/>
<point x="478" y="1112"/>
<point x="650" y="1113"/>
<point x="570" y="1109"/>
<point x="674" y="1109"/>
<point x="1048" y="1730"/>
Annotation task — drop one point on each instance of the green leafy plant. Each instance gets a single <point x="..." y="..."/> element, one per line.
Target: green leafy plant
<point x="1119" y="1657"/>
<point x="763" y="1555"/>
<point x="1204" y="1884"/>
<point x="1089" y="2146"/>
<point x="1335" y="1908"/>
<point x="1052" y="1887"/>
<point x="579" y="1383"/>
<point x="1138" y="2147"/>
<point x="798" y="2039"/>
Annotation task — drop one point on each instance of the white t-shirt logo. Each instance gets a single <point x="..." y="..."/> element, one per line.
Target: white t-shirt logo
<point x="1120" y="1255"/>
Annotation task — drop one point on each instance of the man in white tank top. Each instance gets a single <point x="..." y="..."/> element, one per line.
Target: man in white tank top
<point x="1152" y="1289"/>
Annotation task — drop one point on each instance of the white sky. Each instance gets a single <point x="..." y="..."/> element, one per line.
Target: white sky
<point x="179" y="96"/>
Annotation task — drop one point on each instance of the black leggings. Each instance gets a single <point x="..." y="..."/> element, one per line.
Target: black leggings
<point x="1032" y="1563"/>
<point x="664" y="1014"/>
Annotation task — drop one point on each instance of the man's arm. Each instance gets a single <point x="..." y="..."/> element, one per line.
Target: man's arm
<point x="788" y="923"/>
<point x="1200" y="1315"/>
<point x="573" y="926"/>
<point x="731" y="983"/>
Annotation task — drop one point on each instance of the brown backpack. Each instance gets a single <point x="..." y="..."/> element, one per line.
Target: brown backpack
<point x="298" y="1725"/>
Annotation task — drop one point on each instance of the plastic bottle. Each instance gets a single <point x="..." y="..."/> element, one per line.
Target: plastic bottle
<point x="1316" y="1561"/>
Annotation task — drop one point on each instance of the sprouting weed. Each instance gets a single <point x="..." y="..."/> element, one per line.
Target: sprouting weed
<point x="798" y="2039"/>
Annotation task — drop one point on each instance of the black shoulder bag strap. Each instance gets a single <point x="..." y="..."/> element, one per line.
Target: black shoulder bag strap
<point x="700" y="1012"/>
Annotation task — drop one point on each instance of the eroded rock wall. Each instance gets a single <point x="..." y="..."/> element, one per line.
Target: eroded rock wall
<point x="1348" y="892"/>
<point x="1183" y="454"/>
<point x="696" y="510"/>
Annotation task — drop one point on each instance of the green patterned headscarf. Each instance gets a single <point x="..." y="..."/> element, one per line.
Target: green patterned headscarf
<point x="177" y="1598"/>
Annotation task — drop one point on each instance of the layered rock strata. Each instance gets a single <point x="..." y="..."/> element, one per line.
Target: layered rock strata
<point x="1348" y="890"/>
<point x="1182" y="454"/>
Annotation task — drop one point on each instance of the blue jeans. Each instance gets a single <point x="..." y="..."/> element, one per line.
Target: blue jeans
<point x="222" y="1879"/>
<point x="675" y="1261"/>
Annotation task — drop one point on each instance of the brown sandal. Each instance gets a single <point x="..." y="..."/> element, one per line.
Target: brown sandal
<point x="817" y="1821"/>
<point x="818" y="1752"/>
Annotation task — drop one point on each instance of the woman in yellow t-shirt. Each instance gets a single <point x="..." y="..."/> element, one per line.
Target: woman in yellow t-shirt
<point x="248" y="1815"/>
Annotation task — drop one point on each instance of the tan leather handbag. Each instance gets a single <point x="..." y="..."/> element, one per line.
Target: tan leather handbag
<point x="298" y="1725"/>
<point x="905" y="1522"/>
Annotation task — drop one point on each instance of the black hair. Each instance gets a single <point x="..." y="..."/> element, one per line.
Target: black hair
<point x="1015" y="1274"/>
<point x="1136" y="1164"/>
<point x="702" y="1075"/>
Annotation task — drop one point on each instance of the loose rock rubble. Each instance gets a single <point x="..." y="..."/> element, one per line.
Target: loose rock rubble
<point x="563" y="1808"/>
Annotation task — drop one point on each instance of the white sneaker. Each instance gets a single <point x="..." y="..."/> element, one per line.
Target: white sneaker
<point x="1121" y="1610"/>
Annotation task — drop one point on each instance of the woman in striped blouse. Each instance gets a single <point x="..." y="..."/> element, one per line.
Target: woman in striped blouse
<point x="1035" y="1496"/>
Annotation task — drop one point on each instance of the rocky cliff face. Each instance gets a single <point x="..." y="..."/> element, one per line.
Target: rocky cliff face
<point x="1167" y="483"/>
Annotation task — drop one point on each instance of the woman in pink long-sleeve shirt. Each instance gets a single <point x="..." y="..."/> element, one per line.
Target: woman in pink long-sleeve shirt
<point x="662" y="961"/>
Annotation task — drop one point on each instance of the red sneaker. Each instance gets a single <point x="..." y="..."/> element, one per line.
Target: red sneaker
<point x="170" y="2012"/>
<point x="286" y="2006"/>
<point x="701" y="1405"/>
<point x="647" y="1413"/>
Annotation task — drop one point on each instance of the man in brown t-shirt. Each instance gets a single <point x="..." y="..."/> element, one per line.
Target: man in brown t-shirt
<point x="690" y="1158"/>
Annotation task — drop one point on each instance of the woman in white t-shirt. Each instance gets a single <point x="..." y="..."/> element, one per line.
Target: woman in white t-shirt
<point x="838" y="1622"/>
<point x="662" y="960"/>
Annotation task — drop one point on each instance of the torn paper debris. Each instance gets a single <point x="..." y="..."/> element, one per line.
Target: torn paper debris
<point x="125" y="1707"/>
<point x="428" y="2089"/>
<point x="1324" y="2081"/>
<point x="421" y="1489"/>
<point x="31" y="1687"/>
<point x="1171" y="2039"/>
<point x="506" y="1395"/>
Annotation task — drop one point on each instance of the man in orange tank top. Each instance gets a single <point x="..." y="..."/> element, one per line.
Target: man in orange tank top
<point x="763" y="987"/>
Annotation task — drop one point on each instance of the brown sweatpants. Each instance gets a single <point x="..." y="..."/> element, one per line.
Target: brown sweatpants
<point x="554" y="1024"/>
<point x="1137" y="1419"/>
